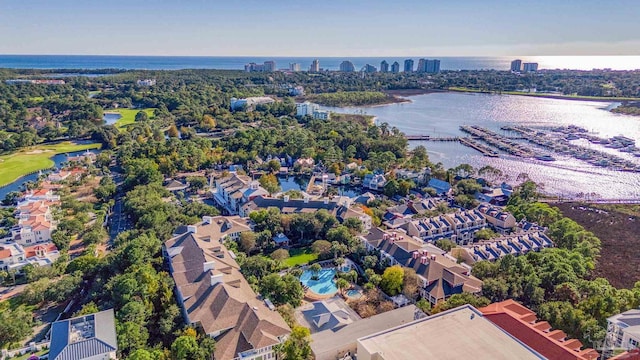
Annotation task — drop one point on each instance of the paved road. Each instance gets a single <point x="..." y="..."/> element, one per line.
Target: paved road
<point x="118" y="220"/>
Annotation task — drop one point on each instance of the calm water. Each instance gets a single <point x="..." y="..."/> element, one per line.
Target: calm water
<point x="111" y="118"/>
<point x="441" y="114"/>
<point x="330" y="63"/>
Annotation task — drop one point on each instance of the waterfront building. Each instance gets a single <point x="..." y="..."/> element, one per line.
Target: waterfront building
<point x="369" y="69"/>
<point x="214" y="295"/>
<point x="233" y="191"/>
<point x="432" y="66"/>
<point x="86" y="337"/>
<point x="315" y="66"/>
<point x="623" y="330"/>
<point x="408" y="65"/>
<point x="459" y="333"/>
<point x="516" y="65"/>
<point x="395" y="67"/>
<point x="384" y="66"/>
<point x="310" y="109"/>
<point x="530" y="67"/>
<point x="270" y="66"/>
<point x="347" y="66"/>
<point x="523" y="324"/>
<point x="422" y="66"/>
<point x="295" y="67"/>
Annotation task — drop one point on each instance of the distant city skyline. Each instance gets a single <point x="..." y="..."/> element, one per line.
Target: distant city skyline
<point x="258" y="28"/>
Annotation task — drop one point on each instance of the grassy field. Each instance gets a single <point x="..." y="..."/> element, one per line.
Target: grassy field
<point x="129" y="116"/>
<point x="32" y="159"/>
<point x="549" y="96"/>
<point x="300" y="256"/>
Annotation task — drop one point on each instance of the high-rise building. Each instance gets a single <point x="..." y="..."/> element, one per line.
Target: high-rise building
<point x="347" y="66"/>
<point x="369" y="68"/>
<point x="422" y="66"/>
<point x="395" y="67"/>
<point x="315" y="66"/>
<point x="432" y="66"/>
<point x="516" y="65"/>
<point x="294" y="67"/>
<point x="270" y="66"/>
<point x="530" y="67"/>
<point x="408" y="65"/>
<point x="384" y="66"/>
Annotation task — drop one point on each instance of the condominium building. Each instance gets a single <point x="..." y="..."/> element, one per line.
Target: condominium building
<point x="460" y="227"/>
<point x="369" y="68"/>
<point x="623" y="330"/>
<point x="294" y="67"/>
<point x="347" y="66"/>
<point x="215" y="296"/>
<point x="530" y="67"/>
<point x="267" y="66"/>
<point x="233" y="191"/>
<point x="408" y="65"/>
<point x="315" y="66"/>
<point x="515" y="244"/>
<point x="395" y="67"/>
<point x="384" y="66"/>
<point x="501" y="221"/>
<point x="516" y="65"/>
<point x="310" y="109"/>
<point x="270" y="66"/>
<point x="440" y="274"/>
<point x="432" y="66"/>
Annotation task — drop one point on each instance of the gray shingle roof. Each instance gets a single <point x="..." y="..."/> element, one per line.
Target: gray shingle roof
<point x="98" y="337"/>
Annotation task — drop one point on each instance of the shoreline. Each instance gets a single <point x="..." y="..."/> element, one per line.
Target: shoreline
<point x="544" y="96"/>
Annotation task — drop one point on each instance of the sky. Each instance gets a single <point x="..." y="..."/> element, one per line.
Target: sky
<point x="320" y="28"/>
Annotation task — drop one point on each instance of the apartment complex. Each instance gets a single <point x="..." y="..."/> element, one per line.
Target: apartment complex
<point x="516" y="65"/>
<point x="214" y="295"/>
<point x="428" y="66"/>
<point x="440" y="273"/>
<point x="315" y="66"/>
<point x="529" y="67"/>
<point x="501" y="221"/>
<point x="267" y="66"/>
<point x="347" y="66"/>
<point x="233" y="191"/>
<point x="522" y="323"/>
<point x="459" y="226"/>
<point x="395" y="67"/>
<point x="384" y="66"/>
<point x="514" y="244"/>
<point x="310" y="109"/>
<point x="623" y="330"/>
<point x="408" y="65"/>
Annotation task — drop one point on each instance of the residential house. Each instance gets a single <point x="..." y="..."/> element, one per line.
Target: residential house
<point x="345" y="212"/>
<point x="63" y="175"/>
<point x="215" y="296"/>
<point x="374" y="182"/>
<point x="421" y="206"/>
<point x="417" y="176"/>
<point x="459" y="333"/>
<point x="14" y="256"/>
<point x="331" y="314"/>
<point x="87" y="337"/>
<point x="522" y="323"/>
<point x="34" y="229"/>
<point x="493" y="196"/>
<point x="364" y="199"/>
<point x="286" y="205"/>
<point x="40" y="194"/>
<point x="623" y="330"/>
<point x="441" y="187"/>
<point x="501" y="221"/>
<point x="305" y="163"/>
<point x="175" y="186"/>
<point x="440" y="273"/>
<point x="281" y="240"/>
<point x="234" y="191"/>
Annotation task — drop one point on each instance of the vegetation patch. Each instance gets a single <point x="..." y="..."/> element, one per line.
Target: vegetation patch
<point x="354" y="98"/>
<point x="300" y="256"/>
<point x="32" y="159"/>
<point x="129" y="116"/>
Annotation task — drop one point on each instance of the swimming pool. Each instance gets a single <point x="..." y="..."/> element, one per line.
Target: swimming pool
<point x="354" y="294"/>
<point x="324" y="285"/>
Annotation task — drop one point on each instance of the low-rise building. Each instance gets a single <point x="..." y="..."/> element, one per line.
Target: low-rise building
<point x="460" y="226"/>
<point x="440" y="273"/>
<point x="146" y="82"/>
<point x="14" y="256"/>
<point x="249" y="103"/>
<point x="522" y="323"/>
<point x="296" y="90"/>
<point x="440" y="186"/>
<point x="310" y="109"/>
<point x="87" y="337"/>
<point x="515" y="244"/>
<point x="623" y="330"/>
<point x="501" y="221"/>
<point x="374" y="182"/>
<point x="215" y="296"/>
<point x="460" y="333"/>
<point x="234" y="191"/>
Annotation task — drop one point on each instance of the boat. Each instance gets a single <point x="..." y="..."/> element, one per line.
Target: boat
<point x="545" y="157"/>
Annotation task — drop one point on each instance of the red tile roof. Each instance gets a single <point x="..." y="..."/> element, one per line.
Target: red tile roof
<point x="31" y="251"/>
<point x="5" y="253"/>
<point x="518" y="321"/>
<point x="628" y="355"/>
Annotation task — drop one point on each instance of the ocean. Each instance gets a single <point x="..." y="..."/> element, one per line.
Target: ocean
<point x="328" y="63"/>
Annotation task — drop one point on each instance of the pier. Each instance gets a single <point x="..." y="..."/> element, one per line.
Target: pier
<point x="431" y="138"/>
<point x="485" y="150"/>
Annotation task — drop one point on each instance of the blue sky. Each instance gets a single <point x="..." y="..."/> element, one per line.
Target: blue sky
<point x="321" y="27"/>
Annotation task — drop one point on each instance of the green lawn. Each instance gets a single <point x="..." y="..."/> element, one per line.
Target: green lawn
<point x="32" y="159"/>
<point x="300" y="256"/>
<point x="128" y="116"/>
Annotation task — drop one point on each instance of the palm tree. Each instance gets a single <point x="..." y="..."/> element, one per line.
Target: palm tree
<point x="315" y="270"/>
<point x="339" y="262"/>
<point x="342" y="284"/>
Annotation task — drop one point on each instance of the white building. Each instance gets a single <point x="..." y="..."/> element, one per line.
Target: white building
<point x="233" y="191"/>
<point x="623" y="330"/>
<point x="295" y="67"/>
<point x="146" y="82"/>
<point x="250" y="102"/>
<point x="296" y="91"/>
<point x="14" y="256"/>
<point x="530" y="67"/>
<point x="310" y="109"/>
<point x="315" y="66"/>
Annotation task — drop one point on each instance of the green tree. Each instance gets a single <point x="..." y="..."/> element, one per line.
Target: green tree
<point x="296" y="347"/>
<point x="15" y="325"/>
<point x="445" y="244"/>
<point x="141" y="116"/>
<point x="315" y="269"/>
<point x="392" y="280"/>
<point x="322" y="248"/>
<point x="270" y="183"/>
<point x="280" y="254"/>
<point x="273" y="165"/>
<point x="342" y="284"/>
<point x="247" y="241"/>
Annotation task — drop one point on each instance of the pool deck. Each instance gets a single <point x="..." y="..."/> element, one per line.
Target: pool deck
<point x="312" y="296"/>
